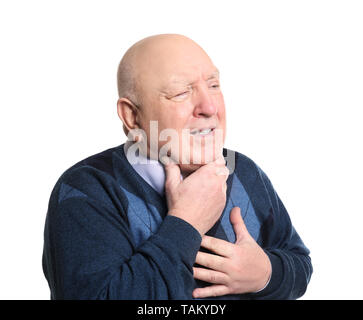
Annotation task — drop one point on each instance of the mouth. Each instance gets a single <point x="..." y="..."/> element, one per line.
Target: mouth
<point x="202" y="132"/>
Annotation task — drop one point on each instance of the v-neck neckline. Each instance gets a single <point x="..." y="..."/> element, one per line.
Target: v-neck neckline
<point x="156" y="199"/>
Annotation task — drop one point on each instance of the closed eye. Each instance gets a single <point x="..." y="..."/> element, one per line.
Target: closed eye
<point x="181" y="94"/>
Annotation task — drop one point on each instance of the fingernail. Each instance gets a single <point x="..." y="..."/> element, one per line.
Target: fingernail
<point x="165" y="160"/>
<point x="222" y="171"/>
<point x="220" y="160"/>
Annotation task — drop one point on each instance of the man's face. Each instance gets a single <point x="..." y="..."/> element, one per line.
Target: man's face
<point x="179" y="88"/>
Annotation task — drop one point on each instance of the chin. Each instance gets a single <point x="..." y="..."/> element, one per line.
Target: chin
<point x="187" y="169"/>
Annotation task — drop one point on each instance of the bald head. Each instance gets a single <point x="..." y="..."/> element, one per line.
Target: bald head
<point x="150" y="56"/>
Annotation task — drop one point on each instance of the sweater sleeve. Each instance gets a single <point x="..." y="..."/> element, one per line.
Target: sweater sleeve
<point x="89" y="254"/>
<point x="290" y="260"/>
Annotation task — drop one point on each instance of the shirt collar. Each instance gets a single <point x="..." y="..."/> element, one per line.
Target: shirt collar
<point x="152" y="171"/>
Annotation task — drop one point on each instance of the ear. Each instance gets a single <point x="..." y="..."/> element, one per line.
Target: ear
<point x="128" y="113"/>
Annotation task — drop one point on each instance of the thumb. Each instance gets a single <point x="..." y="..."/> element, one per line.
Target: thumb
<point x="172" y="173"/>
<point x="238" y="224"/>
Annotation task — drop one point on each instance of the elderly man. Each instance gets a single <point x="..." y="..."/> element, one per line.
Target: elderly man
<point x="163" y="216"/>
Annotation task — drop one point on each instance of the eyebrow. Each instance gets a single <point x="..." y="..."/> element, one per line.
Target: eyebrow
<point x="215" y="74"/>
<point x="180" y="81"/>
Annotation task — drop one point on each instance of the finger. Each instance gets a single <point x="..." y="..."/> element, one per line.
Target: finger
<point x="222" y="171"/>
<point x="172" y="173"/>
<point x="211" y="261"/>
<point x="224" y="187"/>
<point x="238" y="224"/>
<point x="211" y="291"/>
<point x="220" y="160"/>
<point x="210" y="276"/>
<point x="221" y="247"/>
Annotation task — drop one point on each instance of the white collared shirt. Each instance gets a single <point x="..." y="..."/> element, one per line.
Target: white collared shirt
<point x="152" y="171"/>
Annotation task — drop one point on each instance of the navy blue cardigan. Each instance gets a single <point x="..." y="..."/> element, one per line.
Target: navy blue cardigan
<point x="108" y="236"/>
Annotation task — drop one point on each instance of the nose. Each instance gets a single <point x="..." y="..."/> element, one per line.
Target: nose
<point x="204" y="106"/>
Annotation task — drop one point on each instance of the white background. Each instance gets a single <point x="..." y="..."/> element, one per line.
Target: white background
<point x="292" y="77"/>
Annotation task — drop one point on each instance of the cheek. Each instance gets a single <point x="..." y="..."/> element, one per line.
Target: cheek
<point x="177" y="116"/>
<point x="221" y="113"/>
<point x="222" y="117"/>
<point x="220" y="103"/>
<point x="171" y="123"/>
